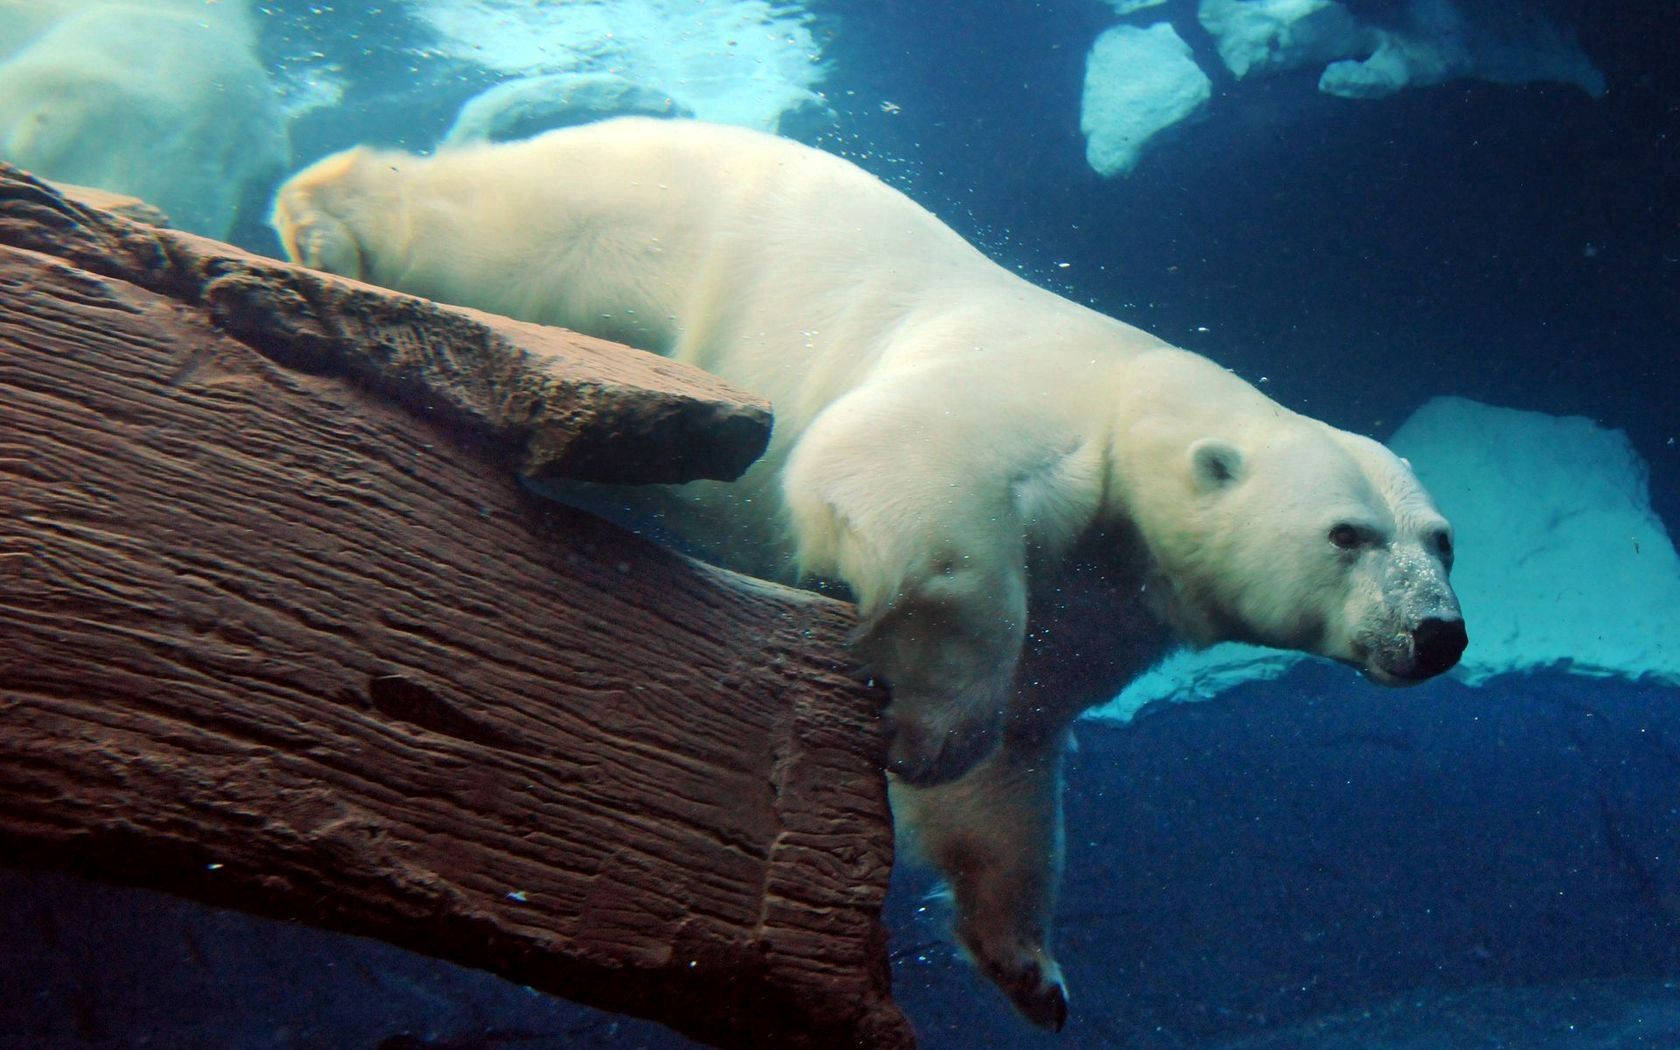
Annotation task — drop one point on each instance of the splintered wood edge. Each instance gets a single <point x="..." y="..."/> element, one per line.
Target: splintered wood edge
<point x="551" y="403"/>
<point x="122" y="204"/>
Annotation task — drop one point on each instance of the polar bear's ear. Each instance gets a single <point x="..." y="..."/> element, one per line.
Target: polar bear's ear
<point x="1215" y="464"/>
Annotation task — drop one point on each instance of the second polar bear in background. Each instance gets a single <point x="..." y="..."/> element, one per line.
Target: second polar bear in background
<point x="161" y="99"/>
<point x="1030" y="501"/>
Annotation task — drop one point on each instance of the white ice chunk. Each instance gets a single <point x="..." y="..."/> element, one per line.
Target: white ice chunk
<point x="1267" y="36"/>
<point x="527" y="106"/>
<point x="1561" y="560"/>
<point x="1138" y="81"/>
<point x="1418" y="43"/>
<point x="743" y="62"/>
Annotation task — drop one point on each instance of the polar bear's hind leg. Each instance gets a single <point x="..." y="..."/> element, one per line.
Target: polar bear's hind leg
<point x="996" y="834"/>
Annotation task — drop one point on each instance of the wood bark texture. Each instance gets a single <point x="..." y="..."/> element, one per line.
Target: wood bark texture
<point x="271" y="639"/>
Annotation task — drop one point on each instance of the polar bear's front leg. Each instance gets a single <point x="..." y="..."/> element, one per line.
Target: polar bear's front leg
<point x="947" y="644"/>
<point x="914" y="514"/>
<point x="996" y="837"/>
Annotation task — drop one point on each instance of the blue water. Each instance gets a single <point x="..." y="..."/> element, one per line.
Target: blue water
<point x="1299" y="863"/>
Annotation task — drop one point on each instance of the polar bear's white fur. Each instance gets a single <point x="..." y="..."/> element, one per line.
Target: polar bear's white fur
<point x="162" y="99"/>
<point x="1029" y="500"/>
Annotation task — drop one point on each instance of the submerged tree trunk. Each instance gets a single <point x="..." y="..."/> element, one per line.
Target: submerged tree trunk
<point x="279" y="630"/>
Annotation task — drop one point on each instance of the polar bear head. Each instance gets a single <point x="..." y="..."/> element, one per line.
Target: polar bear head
<point x="1327" y="543"/>
<point x="1277" y="529"/>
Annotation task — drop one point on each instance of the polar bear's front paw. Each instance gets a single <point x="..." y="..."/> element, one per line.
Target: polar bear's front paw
<point x="935" y="746"/>
<point x="1033" y="982"/>
<point x="327" y="244"/>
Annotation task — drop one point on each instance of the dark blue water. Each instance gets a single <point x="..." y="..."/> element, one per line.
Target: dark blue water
<point x="1308" y="862"/>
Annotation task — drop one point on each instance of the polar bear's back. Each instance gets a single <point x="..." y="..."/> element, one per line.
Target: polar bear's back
<point x="735" y="250"/>
<point x="788" y="271"/>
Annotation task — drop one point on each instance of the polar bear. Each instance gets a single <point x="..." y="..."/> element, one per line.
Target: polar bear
<point x="162" y="99"/>
<point x="1029" y="501"/>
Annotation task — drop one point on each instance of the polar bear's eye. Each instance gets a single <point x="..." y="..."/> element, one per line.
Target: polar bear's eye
<point x="1443" y="544"/>
<point x="1346" y="536"/>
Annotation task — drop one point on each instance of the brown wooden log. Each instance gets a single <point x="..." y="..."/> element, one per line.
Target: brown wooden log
<point x="272" y="641"/>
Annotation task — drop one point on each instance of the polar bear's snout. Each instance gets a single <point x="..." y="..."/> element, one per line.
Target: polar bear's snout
<point x="1437" y="643"/>
<point x="1414" y="654"/>
<point x="1419" y="590"/>
<point x="1413" y="628"/>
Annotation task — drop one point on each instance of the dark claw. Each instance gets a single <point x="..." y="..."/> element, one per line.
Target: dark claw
<point x="1054" y="1014"/>
<point x="1043" y="1002"/>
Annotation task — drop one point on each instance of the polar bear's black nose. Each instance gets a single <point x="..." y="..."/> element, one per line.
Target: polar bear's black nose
<point x="1437" y="644"/>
